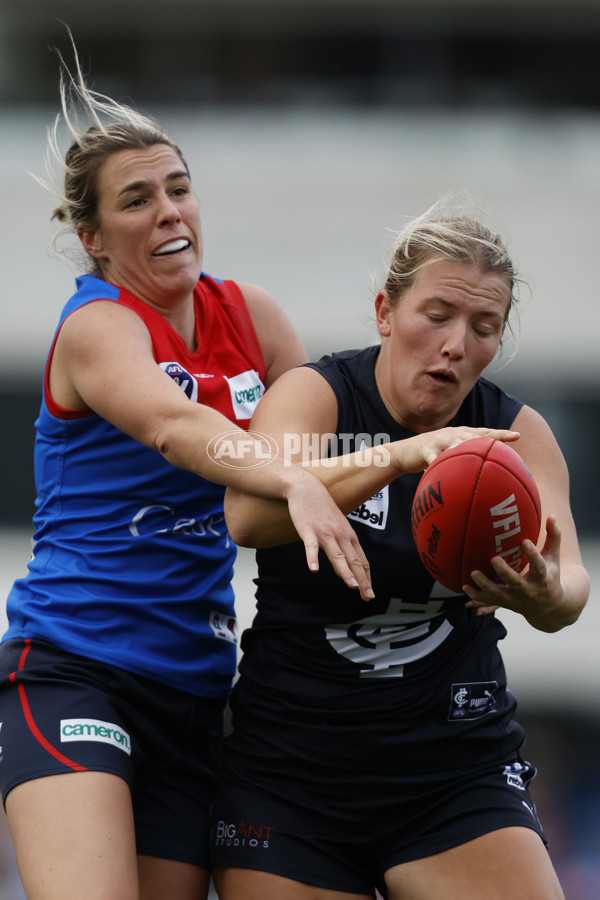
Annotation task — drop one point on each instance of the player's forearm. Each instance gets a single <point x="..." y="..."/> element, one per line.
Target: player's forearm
<point x="256" y="521"/>
<point x="350" y="479"/>
<point x="202" y="441"/>
<point x="354" y="477"/>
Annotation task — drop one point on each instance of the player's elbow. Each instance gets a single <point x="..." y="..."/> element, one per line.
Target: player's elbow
<point x="239" y="518"/>
<point x="168" y="437"/>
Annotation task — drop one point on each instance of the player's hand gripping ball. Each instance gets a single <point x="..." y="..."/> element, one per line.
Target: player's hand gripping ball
<point x="475" y="501"/>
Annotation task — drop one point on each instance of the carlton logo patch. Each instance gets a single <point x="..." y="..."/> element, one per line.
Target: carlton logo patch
<point x="472" y="700"/>
<point x="95" y="730"/>
<point x="246" y="389"/>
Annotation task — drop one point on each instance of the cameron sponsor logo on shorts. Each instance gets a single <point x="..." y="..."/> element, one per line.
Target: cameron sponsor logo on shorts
<point x="242" y="835"/>
<point x="95" y="730"/>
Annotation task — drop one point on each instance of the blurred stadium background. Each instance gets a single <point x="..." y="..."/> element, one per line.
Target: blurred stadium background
<point x="312" y="128"/>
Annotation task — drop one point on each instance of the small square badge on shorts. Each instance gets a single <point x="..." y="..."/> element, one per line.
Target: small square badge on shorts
<point x="472" y="700"/>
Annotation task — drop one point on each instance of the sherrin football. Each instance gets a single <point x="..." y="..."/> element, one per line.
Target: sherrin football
<point x="475" y="501"/>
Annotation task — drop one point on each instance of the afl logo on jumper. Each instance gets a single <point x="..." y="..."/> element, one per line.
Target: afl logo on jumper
<point x="246" y="389"/>
<point x="182" y="377"/>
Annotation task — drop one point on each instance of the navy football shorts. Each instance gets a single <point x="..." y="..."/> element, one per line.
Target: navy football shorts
<point x="62" y="713"/>
<point x="351" y="849"/>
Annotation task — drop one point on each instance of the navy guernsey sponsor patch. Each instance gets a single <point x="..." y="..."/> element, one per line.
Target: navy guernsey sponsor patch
<point x="374" y="511"/>
<point x="472" y="700"/>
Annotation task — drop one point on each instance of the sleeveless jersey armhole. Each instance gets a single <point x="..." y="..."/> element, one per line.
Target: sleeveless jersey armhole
<point x="54" y="408"/>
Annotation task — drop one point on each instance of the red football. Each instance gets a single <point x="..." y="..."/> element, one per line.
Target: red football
<point x="475" y="501"/>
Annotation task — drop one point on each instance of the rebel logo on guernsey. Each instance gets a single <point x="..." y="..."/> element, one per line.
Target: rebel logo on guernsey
<point x="374" y="511"/>
<point x="513" y="774"/>
<point x="182" y="377"/>
<point x="246" y="389"/>
<point x="95" y="730"/>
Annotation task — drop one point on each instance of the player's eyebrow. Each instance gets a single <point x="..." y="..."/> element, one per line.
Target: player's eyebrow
<point x="142" y="183"/>
<point x="488" y="313"/>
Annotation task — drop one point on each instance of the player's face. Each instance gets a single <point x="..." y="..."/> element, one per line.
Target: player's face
<point x="437" y="340"/>
<point x="149" y="238"/>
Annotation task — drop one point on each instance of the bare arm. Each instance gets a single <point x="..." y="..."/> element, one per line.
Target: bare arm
<point x="555" y="587"/>
<point x="103" y="359"/>
<point x="296" y="412"/>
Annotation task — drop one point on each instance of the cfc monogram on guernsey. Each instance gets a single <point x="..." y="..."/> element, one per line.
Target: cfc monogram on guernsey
<point x="382" y="645"/>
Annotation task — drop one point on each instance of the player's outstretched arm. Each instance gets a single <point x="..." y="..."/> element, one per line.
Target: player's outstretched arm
<point x="103" y="360"/>
<point x="298" y="413"/>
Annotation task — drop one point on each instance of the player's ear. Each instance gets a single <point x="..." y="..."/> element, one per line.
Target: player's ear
<point x="91" y="241"/>
<point x="383" y="309"/>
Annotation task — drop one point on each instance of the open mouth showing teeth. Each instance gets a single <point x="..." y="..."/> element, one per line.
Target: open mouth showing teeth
<point x="172" y="247"/>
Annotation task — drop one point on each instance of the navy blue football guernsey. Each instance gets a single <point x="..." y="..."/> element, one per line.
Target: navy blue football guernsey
<point x="413" y="664"/>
